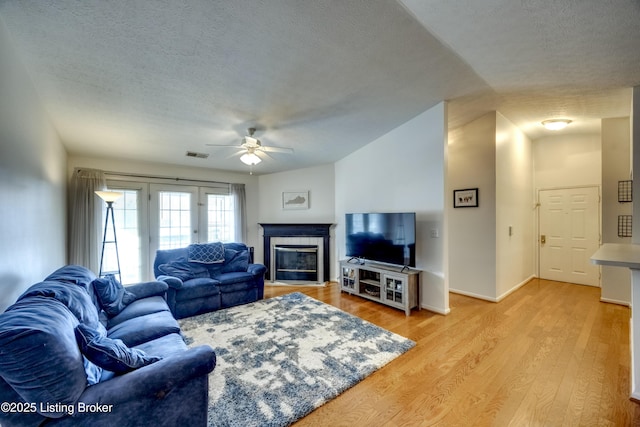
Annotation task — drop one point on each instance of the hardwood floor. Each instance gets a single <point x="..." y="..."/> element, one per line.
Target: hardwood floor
<point x="550" y="354"/>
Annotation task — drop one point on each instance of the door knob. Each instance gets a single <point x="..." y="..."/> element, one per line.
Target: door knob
<point x="543" y="239"/>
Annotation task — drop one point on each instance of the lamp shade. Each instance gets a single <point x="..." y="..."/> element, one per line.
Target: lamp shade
<point x="250" y="159"/>
<point x="109" y="196"/>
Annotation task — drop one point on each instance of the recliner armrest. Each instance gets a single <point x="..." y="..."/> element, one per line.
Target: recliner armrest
<point x="173" y="282"/>
<point x="257" y="269"/>
<point x="148" y="289"/>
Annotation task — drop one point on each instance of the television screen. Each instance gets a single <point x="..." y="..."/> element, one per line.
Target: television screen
<point x="382" y="237"/>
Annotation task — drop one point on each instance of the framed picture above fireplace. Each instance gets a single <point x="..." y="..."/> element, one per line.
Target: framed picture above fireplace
<point x="295" y="200"/>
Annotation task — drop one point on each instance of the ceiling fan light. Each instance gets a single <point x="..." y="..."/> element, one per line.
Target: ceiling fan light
<point x="250" y="159"/>
<point x="556" y="124"/>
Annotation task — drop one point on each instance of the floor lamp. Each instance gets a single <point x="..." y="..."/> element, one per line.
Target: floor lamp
<point x="109" y="197"/>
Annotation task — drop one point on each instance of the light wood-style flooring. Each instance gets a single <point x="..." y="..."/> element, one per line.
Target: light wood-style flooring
<point x="550" y="354"/>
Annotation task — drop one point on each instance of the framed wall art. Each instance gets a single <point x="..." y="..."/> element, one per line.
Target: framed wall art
<point x="295" y="200"/>
<point x="467" y="198"/>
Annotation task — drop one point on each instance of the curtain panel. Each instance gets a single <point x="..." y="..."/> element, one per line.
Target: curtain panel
<point x="85" y="215"/>
<point x="240" y="203"/>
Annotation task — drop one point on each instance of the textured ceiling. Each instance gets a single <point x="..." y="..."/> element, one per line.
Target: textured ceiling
<point x="150" y="80"/>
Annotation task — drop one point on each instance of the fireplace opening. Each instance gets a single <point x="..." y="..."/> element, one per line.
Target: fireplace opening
<point x="296" y="262"/>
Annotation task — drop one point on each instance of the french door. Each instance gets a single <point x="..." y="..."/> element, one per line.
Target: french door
<point x="158" y="216"/>
<point x="181" y="215"/>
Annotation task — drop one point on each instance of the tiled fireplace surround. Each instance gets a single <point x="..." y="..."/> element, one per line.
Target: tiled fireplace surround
<point x="297" y="234"/>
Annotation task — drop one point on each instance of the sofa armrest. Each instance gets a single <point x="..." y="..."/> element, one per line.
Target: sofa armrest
<point x="148" y="289"/>
<point x="155" y="380"/>
<point x="173" y="282"/>
<point x="257" y="269"/>
<point x="170" y="392"/>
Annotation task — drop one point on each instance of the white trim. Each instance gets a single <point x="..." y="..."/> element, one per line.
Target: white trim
<point x="499" y="298"/>
<point x="613" y="301"/>
<point x="472" y="295"/>
<point x="516" y="287"/>
<point x="436" y="309"/>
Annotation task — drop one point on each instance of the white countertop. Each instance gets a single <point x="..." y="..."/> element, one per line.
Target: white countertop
<point x="618" y="255"/>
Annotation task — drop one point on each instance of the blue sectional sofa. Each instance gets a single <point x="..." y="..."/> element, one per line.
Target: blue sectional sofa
<point x="76" y="350"/>
<point x="209" y="276"/>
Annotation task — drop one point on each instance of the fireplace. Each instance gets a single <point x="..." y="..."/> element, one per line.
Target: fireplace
<point x="296" y="262"/>
<point x="297" y="235"/>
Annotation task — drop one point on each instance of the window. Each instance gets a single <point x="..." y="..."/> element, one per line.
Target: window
<point x="165" y="216"/>
<point x="127" y="218"/>
<point x="174" y="210"/>
<point x="220" y="218"/>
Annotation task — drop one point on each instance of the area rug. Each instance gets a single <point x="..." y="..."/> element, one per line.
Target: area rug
<point x="278" y="359"/>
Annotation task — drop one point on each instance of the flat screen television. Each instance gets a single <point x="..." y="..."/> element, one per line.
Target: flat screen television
<point x="382" y="237"/>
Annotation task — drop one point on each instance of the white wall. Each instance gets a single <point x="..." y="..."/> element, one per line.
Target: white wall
<point x="567" y="160"/>
<point x="32" y="183"/>
<point x="403" y="171"/>
<point x="515" y="201"/>
<point x="318" y="181"/>
<point x="616" y="166"/>
<point x="485" y="261"/>
<point x="472" y="231"/>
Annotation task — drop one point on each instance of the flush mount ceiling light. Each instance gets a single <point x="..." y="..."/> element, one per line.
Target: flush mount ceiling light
<point x="556" y="124"/>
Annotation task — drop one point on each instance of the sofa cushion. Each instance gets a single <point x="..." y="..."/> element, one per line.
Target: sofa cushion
<point x="184" y="270"/>
<point x="235" y="261"/>
<point x="236" y="277"/>
<point x="73" y="296"/>
<point x="110" y="354"/>
<point x="206" y="253"/>
<point x="168" y="345"/>
<point x="79" y="275"/>
<point x="144" y="328"/>
<point x="198" y="288"/>
<point x="139" y="308"/>
<point x="112" y="296"/>
<point x="39" y="356"/>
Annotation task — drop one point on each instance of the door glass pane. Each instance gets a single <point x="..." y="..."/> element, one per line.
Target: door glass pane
<point x="220" y="218"/>
<point x="125" y="215"/>
<point x="175" y="219"/>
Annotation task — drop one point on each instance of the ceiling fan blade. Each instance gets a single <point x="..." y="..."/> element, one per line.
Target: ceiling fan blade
<point x="236" y="154"/>
<point x="224" y="145"/>
<point x="262" y="153"/>
<point x="277" y="150"/>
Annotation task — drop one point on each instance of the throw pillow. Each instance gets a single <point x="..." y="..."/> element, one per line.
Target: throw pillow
<point x="184" y="270"/>
<point x="110" y="354"/>
<point x="235" y="261"/>
<point x="112" y="296"/>
<point x="206" y="253"/>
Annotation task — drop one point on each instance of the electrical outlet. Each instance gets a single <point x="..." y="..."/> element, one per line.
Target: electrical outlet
<point x="435" y="233"/>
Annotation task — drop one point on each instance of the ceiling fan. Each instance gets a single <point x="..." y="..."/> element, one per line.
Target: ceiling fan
<point x="252" y="149"/>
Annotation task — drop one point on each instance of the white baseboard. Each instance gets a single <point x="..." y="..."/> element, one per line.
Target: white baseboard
<point x="516" y="287"/>
<point x="500" y="297"/>
<point x="472" y="295"/>
<point x="435" y="309"/>
<point x="613" y="301"/>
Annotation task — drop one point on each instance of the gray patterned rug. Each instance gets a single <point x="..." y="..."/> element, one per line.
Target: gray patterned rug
<point x="278" y="359"/>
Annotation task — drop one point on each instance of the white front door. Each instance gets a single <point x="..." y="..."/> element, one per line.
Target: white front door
<point x="569" y="225"/>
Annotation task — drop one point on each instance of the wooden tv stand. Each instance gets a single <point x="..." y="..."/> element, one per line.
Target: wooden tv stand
<point x="389" y="285"/>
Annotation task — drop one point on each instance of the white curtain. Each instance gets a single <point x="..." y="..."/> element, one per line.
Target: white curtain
<point x="85" y="215"/>
<point x="240" y="220"/>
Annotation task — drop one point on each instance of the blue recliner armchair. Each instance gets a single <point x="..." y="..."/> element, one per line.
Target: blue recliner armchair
<point x="210" y="276"/>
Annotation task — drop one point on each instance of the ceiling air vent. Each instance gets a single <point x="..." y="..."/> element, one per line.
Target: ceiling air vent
<point x="197" y="155"/>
